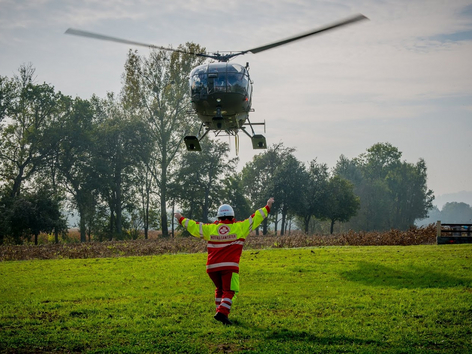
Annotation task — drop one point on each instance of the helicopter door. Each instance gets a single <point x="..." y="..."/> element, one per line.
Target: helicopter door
<point x="198" y="84"/>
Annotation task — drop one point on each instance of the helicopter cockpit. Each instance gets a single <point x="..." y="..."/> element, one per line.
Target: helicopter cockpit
<point x="219" y="77"/>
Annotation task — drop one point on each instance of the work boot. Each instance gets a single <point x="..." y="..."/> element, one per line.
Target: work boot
<point x="222" y="318"/>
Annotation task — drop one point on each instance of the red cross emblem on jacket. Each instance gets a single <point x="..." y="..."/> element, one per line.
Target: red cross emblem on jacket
<point x="223" y="230"/>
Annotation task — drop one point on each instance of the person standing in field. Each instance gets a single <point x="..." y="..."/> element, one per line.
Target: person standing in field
<point x="225" y="238"/>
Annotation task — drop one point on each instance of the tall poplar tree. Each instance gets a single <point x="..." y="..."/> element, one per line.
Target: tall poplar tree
<point x="157" y="88"/>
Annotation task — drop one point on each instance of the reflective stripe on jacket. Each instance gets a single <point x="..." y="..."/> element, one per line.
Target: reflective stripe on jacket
<point x="225" y="238"/>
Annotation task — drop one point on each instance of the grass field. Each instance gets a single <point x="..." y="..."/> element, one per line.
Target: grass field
<point x="377" y="299"/>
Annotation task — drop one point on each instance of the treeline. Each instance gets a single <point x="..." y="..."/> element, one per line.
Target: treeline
<point x="120" y="162"/>
<point x="450" y="213"/>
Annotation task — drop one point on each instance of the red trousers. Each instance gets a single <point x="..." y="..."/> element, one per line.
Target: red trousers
<point x="227" y="284"/>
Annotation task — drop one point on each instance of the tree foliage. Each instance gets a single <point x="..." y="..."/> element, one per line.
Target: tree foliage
<point x="313" y="203"/>
<point x="122" y="144"/>
<point x="200" y="179"/>
<point x="341" y="202"/>
<point x="24" y="143"/>
<point x="260" y="177"/>
<point x="157" y="89"/>
<point x="393" y="193"/>
<point x="28" y="215"/>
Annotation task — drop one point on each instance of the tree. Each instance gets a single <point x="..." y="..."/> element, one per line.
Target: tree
<point x="289" y="186"/>
<point x="30" y="214"/>
<point x="143" y="183"/>
<point x="411" y="198"/>
<point x="314" y="195"/>
<point x="342" y="203"/>
<point x="456" y="213"/>
<point x="233" y="194"/>
<point x="8" y="93"/>
<point x="45" y="215"/>
<point x="157" y="88"/>
<point x="75" y="159"/>
<point x="379" y="160"/>
<point x="201" y="178"/>
<point x="257" y="178"/>
<point x="31" y="109"/>
<point x="121" y="148"/>
<point x="393" y="193"/>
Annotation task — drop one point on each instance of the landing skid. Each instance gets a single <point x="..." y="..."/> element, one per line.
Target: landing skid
<point x="259" y="142"/>
<point x="192" y="142"/>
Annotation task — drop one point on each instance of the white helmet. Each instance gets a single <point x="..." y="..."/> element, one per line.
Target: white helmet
<point x="225" y="210"/>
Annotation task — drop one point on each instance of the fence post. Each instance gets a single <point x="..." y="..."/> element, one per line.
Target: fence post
<point x="438" y="231"/>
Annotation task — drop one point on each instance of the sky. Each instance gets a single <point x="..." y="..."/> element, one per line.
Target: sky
<point x="403" y="77"/>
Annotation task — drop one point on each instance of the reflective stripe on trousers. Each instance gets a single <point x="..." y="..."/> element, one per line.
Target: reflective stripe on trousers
<point x="222" y="264"/>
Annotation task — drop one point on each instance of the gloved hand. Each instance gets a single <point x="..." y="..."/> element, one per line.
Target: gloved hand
<point x="270" y="202"/>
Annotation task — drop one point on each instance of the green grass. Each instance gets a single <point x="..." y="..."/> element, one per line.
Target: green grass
<point x="388" y="299"/>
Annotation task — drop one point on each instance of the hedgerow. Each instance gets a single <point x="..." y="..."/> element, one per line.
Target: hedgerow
<point x="157" y="246"/>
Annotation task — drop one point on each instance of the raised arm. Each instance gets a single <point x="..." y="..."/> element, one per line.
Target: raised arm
<point x="270" y="202"/>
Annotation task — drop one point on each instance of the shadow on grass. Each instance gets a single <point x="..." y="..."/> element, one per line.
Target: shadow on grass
<point x="374" y="274"/>
<point x="288" y="335"/>
<point x="291" y="335"/>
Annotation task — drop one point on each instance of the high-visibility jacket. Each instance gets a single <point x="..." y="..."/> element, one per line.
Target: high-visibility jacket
<point x="225" y="239"/>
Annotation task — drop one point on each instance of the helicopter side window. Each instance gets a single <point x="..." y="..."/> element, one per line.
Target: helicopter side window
<point x="237" y="83"/>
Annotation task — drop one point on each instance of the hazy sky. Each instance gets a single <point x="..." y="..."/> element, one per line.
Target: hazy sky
<point x="404" y="77"/>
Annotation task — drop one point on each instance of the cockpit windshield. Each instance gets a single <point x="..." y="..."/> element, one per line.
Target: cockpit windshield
<point x="219" y="77"/>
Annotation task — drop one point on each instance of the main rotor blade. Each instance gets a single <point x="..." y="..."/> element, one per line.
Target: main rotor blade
<point x="81" y="33"/>
<point x="334" y="25"/>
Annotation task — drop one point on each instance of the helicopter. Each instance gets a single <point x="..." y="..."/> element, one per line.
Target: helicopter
<point x="220" y="91"/>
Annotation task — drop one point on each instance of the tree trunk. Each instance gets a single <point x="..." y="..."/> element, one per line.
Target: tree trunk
<point x="276" y="223"/>
<point x="145" y="192"/>
<point x="146" y="215"/>
<point x="282" y="228"/>
<point x="82" y="227"/>
<point x="117" y="201"/>
<point x="307" y="223"/>
<point x="15" y="191"/>
<point x="264" y="226"/>
<point x="112" y="223"/>
<point x="332" y="225"/>
<point x="172" y="216"/>
<point x="163" y="186"/>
